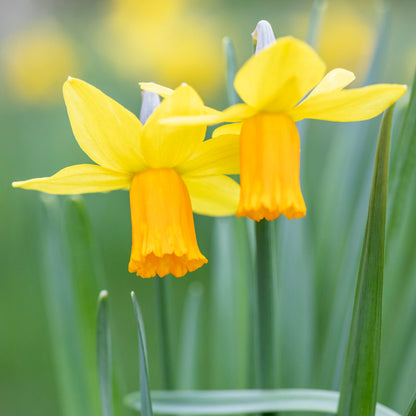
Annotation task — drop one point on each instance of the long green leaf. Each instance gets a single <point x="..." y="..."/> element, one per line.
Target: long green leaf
<point x="144" y="372"/>
<point x="403" y="164"/>
<point x="189" y="347"/>
<point x="315" y="22"/>
<point x="231" y="60"/>
<point x="74" y="382"/>
<point x="360" y="377"/>
<point x="104" y="355"/>
<point x="163" y="319"/>
<point x="411" y="411"/>
<point x="211" y="402"/>
<point x="230" y="326"/>
<point x="86" y="282"/>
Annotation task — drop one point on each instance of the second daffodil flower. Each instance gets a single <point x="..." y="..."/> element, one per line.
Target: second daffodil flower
<point x="169" y="170"/>
<point x="273" y="84"/>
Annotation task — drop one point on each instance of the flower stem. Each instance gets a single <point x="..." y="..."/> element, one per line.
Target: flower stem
<point x="265" y="288"/>
<point x="164" y="326"/>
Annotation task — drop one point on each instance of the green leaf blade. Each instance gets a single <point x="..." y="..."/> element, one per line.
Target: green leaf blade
<point x="104" y="355"/>
<point x="77" y="387"/>
<point x="189" y="346"/>
<point x="146" y="408"/>
<point x="231" y="60"/>
<point x="211" y="402"/>
<point x="403" y="167"/>
<point x="360" y="378"/>
<point x="411" y="411"/>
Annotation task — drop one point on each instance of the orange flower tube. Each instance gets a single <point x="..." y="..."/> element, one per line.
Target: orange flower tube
<point x="163" y="231"/>
<point x="269" y="173"/>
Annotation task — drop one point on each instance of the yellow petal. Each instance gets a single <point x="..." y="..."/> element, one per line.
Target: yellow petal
<point x="334" y="80"/>
<point x="165" y="92"/>
<point x="107" y="132"/>
<point x="236" y="112"/>
<point x="349" y="105"/>
<point x="169" y="145"/>
<point x="233" y="128"/>
<point x="79" y="179"/>
<point x="156" y="88"/>
<point x="279" y="76"/>
<point x="213" y="195"/>
<point x="219" y="155"/>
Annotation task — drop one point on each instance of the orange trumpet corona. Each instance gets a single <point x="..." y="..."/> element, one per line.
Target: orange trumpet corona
<point x="163" y="231"/>
<point x="269" y="168"/>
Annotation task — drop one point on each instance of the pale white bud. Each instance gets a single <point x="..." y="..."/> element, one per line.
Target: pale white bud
<point x="150" y="100"/>
<point x="263" y="35"/>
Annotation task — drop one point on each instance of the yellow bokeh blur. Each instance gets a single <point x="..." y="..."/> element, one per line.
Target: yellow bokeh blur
<point x="346" y="39"/>
<point x="37" y="61"/>
<point x="162" y="41"/>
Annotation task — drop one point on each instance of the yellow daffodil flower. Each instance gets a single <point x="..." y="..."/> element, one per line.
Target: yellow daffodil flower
<point x="273" y="85"/>
<point x="169" y="170"/>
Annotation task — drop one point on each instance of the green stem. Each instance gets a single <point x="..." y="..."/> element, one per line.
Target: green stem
<point x="163" y="325"/>
<point x="265" y="348"/>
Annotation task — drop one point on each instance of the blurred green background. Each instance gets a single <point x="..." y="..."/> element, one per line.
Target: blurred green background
<point x="114" y="45"/>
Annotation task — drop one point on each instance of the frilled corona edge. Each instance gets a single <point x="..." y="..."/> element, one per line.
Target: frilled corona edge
<point x="163" y="229"/>
<point x="269" y="175"/>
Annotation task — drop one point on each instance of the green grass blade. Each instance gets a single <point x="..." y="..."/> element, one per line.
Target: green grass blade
<point x="104" y="355"/>
<point x="231" y="61"/>
<point x="86" y="282"/>
<point x="315" y="22"/>
<point x="164" y="329"/>
<point x="189" y="347"/>
<point x="403" y="165"/>
<point x="360" y="378"/>
<point x="411" y="411"/>
<point x="74" y="382"/>
<point x="230" y="326"/>
<point x="144" y="371"/>
<point x="227" y="402"/>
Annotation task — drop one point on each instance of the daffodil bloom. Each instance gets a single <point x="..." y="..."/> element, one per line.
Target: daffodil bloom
<point x="274" y="85"/>
<point x="169" y="170"/>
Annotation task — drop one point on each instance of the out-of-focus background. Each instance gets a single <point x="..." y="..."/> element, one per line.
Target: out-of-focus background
<point x="113" y="45"/>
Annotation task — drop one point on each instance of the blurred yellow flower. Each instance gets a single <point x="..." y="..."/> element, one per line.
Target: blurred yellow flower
<point x="169" y="170"/>
<point x="36" y="61"/>
<point x="273" y="84"/>
<point x="178" y="46"/>
<point x="347" y="38"/>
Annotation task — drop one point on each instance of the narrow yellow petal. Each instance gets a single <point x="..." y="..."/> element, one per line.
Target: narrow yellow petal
<point x="156" y="88"/>
<point x="334" y="80"/>
<point x="219" y="155"/>
<point x="79" y="179"/>
<point x="168" y="145"/>
<point x="211" y="111"/>
<point x="236" y="112"/>
<point x="213" y="195"/>
<point x="165" y="92"/>
<point x="107" y="132"/>
<point x="233" y="128"/>
<point x="279" y="76"/>
<point x="349" y="105"/>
